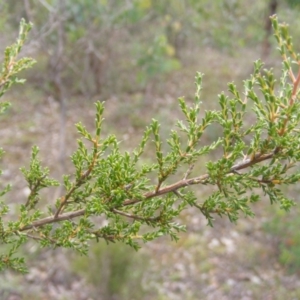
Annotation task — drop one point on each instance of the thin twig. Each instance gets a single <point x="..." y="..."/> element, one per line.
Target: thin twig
<point x="79" y="182"/>
<point x="53" y="219"/>
<point x="165" y="190"/>
<point x="33" y="190"/>
<point x="188" y="172"/>
<point x="122" y="213"/>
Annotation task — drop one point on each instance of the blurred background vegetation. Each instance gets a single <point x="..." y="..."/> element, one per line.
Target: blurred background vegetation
<point x="139" y="56"/>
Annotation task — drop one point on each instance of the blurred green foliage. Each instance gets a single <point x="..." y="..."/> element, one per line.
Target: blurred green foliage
<point x="156" y="60"/>
<point x="114" y="271"/>
<point x="293" y="3"/>
<point x="137" y="41"/>
<point x="285" y="232"/>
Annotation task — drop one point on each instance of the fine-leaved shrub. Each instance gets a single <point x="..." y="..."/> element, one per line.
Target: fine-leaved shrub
<point x="140" y="201"/>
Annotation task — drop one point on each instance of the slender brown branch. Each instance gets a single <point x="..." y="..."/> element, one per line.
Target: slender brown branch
<point x="167" y="189"/>
<point x="76" y="185"/>
<point x="188" y="172"/>
<point x="34" y="237"/>
<point x="53" y="219"/>
<point x="291" y="73"/>
<point x="295" y="87"/>
<point x="260" y="181"/>
<point x="33" y="190"/>
<point x="158" y="186"/>
<point x="122" y="213"/>
<point x="37" y="238"/>
<point x="203" y="178"/>
<point x="296" y="82"/>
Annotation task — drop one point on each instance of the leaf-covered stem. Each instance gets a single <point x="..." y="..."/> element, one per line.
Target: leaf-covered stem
<point x="120" y="196"/>
<point x="202" y="179"/>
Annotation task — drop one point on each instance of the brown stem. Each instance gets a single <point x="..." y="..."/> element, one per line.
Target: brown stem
<point x="296" y="82"/>
<point x="33" y="190"/>
<point x="80" y="181"/>
<point x="170" y="188"/>
<point x="295" y="87"/>
<point x="135" y="217"/>
<point x="53" y="219"/>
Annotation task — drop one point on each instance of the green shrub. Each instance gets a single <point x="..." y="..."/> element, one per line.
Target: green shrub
<point x="113" y="270"/>
<point x="139" y="200"/>
<point x="284" y="230"/>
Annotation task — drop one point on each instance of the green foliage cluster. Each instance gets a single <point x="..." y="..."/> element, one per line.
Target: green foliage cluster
<point x="120" y="271"/>
<point x="286" y="236"/>
<point x="11" y="66"/>
<point x="139" y="41"/>
<point x="115" y="196"/>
